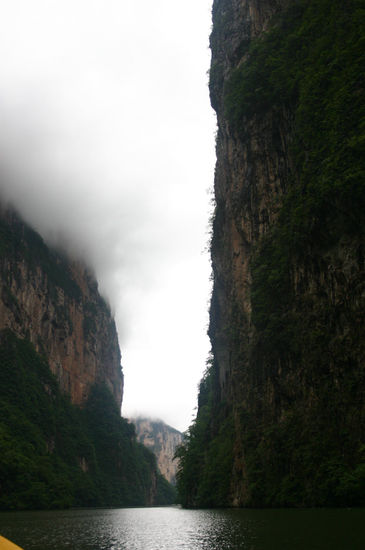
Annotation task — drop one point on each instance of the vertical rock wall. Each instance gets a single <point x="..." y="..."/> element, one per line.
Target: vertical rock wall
<point x="56" y="305"/>
<point x="162" y="440"/>
<point x="287" y="339"/>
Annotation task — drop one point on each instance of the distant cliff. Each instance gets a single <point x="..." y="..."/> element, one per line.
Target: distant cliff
<point x="162" y="440"/>
<point x="62" y="440"/>
<point x="281" y="406"/>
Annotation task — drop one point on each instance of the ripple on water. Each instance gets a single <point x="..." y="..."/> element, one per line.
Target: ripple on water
<point x="176" y="529"/>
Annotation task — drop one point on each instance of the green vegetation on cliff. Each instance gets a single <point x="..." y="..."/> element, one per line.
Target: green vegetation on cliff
<point x="314" y="454"/>
<point x="307" y="446"/>
<point x="56" y="455"/>
<point x="205" y="463"/>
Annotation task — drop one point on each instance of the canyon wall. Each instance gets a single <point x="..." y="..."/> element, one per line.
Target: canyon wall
<point x="162" y="440"/>
<point x="55" y="304"/>
<point x="62" y="438"/>
<point x="281" y="406"/>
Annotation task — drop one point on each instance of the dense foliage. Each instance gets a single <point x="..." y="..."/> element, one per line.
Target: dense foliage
<point x="307" y="276"/>
<point x="56" y="455"/>
<point x="205" y="456"/>
<point x="314" y="455"/>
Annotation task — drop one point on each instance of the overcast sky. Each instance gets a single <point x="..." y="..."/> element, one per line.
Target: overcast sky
<point x="107" y="145"/>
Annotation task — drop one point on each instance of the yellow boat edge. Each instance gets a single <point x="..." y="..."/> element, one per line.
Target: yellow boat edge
<point x="6" y="544"/>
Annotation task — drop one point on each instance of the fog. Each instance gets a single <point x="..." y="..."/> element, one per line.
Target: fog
<point x="107" y="148"/>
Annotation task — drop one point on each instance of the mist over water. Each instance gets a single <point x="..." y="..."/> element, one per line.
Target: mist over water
<point x="107" y="149"/>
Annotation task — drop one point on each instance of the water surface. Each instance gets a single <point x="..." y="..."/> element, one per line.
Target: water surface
<point x="171" y="528"/>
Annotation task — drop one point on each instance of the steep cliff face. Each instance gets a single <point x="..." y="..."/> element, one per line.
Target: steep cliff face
<point x="63" y="441"/>
<point x="56" y="305"/>
<point x="162" y="440"/>
<point x="252" y="171"/>
<point x="281" y="407"/>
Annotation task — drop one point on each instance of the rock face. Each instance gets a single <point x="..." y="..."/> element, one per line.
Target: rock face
<point x="281" y="407"/>
<point x="55" y="304"/>
<point x="251" y="172"/>
<point x="62" y="438"/>
<point x="162" y="440"/>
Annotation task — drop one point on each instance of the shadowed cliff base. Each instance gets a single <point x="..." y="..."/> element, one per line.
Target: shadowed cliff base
<point x="55" y="454"/>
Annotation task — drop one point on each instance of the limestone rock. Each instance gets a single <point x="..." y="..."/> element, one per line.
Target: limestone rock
<point x="162" y="440"/>
<point x="55" y="303"/>
<point x="285" y="318"/>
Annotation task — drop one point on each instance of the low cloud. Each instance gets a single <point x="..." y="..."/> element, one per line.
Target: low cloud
<point x="106" y="148"/>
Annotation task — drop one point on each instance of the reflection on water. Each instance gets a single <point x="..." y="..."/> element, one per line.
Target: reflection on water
<point x="175" y="529"/>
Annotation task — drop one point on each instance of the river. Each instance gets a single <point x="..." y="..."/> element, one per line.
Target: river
<point x="172" y="528"/>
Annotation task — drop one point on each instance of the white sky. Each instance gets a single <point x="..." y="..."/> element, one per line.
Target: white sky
<point x="107" y="144"/>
